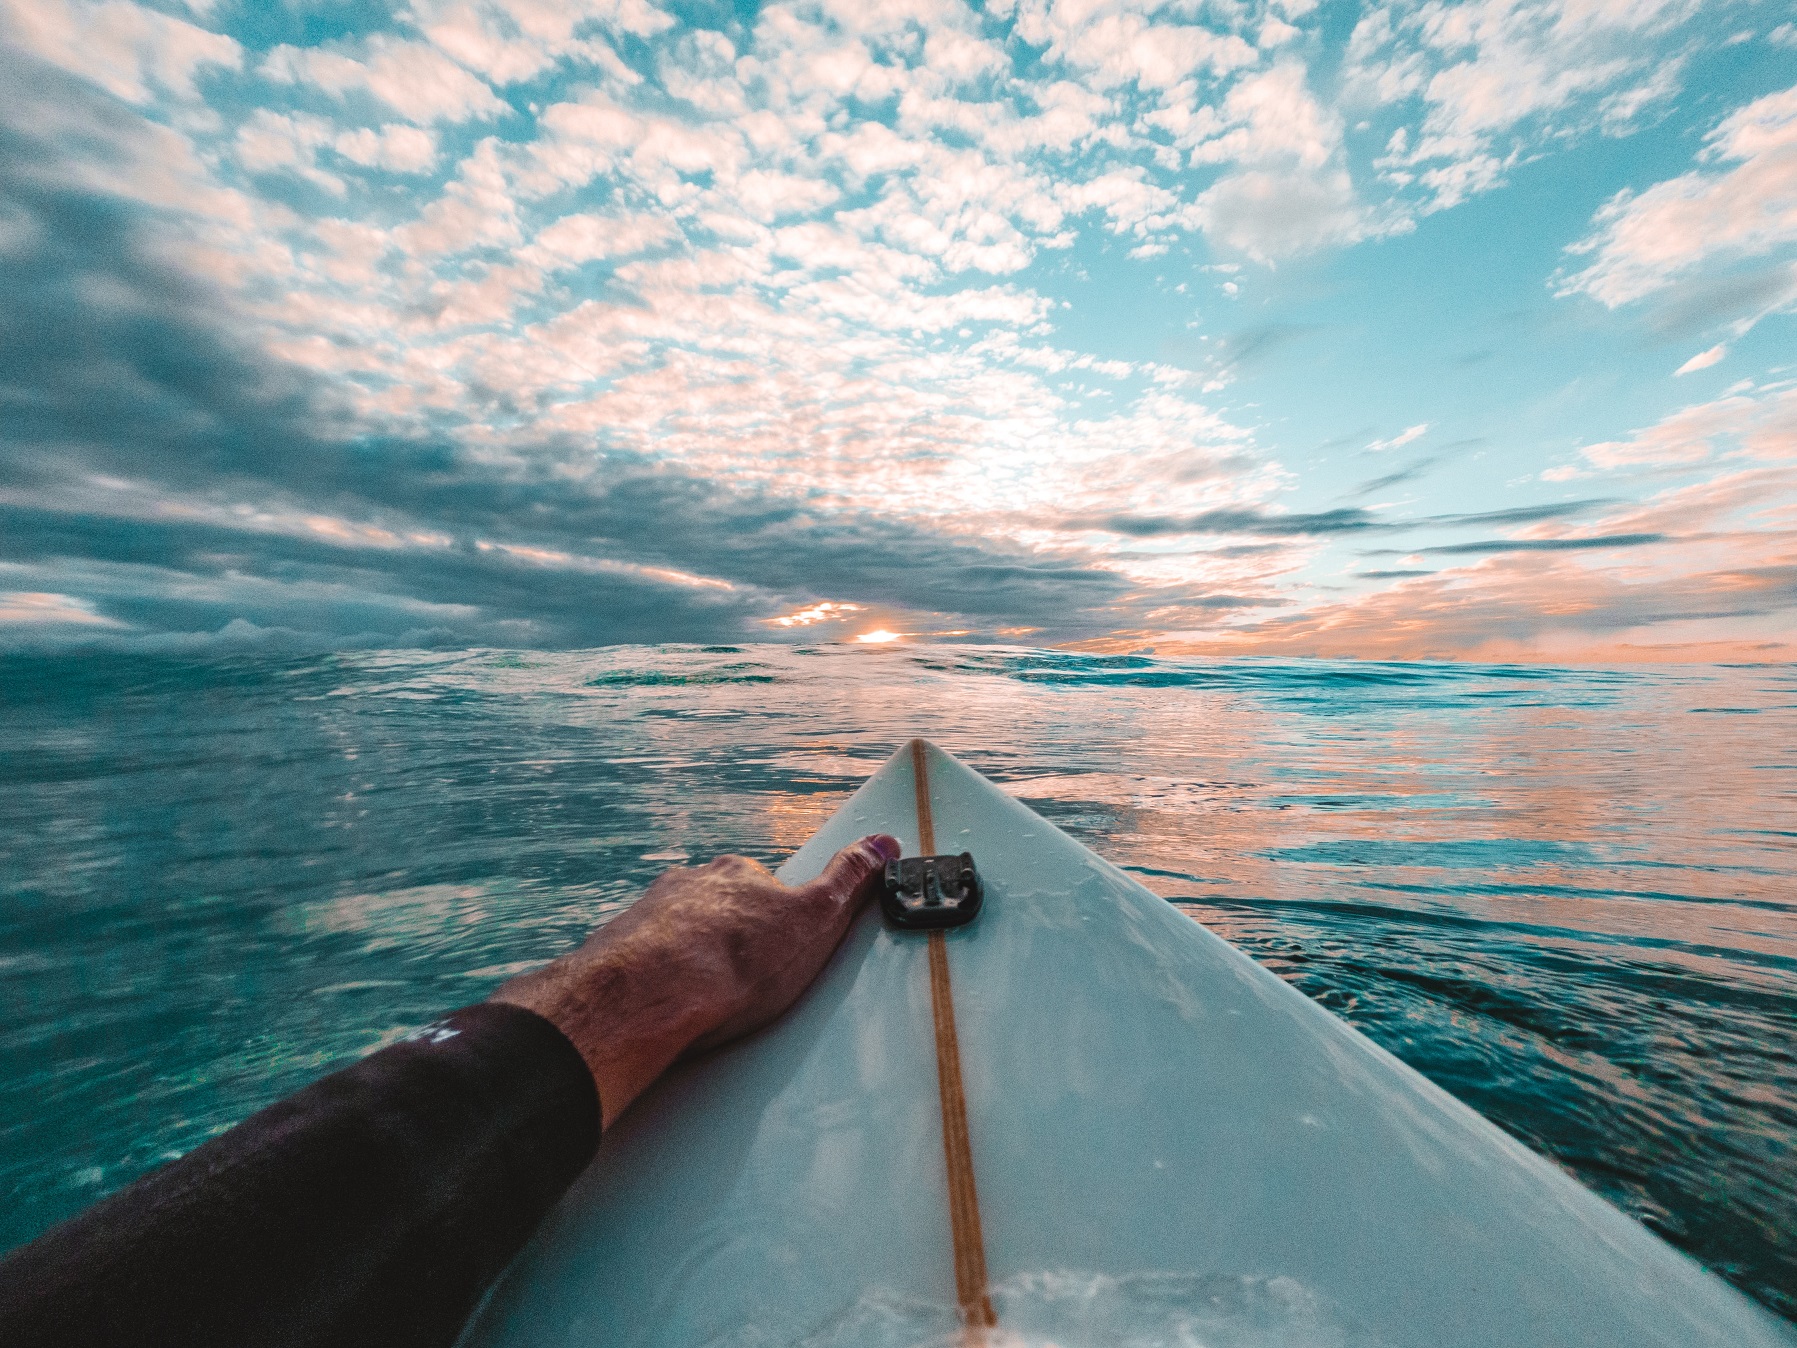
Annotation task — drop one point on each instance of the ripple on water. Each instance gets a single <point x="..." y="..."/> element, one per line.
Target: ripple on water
<point x="1565" y="895"/>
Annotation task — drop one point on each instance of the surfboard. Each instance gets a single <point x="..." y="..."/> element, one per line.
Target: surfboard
<point x="1082" y="1119"/>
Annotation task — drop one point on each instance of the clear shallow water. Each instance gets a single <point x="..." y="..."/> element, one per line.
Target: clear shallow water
<point x="1566" y="896"/>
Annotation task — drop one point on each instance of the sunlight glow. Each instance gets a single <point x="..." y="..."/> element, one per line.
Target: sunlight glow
<point x="879" y="634"/>
<point x="826" y="612"/>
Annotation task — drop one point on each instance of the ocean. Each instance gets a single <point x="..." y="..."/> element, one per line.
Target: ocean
<point x="1565" y="895"/>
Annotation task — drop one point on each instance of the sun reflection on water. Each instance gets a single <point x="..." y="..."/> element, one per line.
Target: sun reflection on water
<point x="1566" y="896"/>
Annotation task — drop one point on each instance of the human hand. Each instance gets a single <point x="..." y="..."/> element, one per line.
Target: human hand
<point x="708" y="953"/>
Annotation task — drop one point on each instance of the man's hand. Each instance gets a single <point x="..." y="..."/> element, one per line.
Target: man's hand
<point x="707" y="954"/>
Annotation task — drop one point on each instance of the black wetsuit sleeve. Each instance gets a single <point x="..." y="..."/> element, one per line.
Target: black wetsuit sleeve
<point x="373" y="1207"/>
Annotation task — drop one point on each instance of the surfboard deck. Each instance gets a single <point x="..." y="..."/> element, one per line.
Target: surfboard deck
<point x="1170" y="1145"/>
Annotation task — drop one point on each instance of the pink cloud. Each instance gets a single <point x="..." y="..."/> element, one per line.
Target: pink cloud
<point x="1764" y="426"/>
<point x="413" y="78"/>
<point x="1643" y="241"/>
<point x="25" y="608"/>
<point x="128" y="50"/>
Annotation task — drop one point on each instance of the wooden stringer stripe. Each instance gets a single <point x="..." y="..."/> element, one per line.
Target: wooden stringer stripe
<point x="957" y="1147"/>
<point x="926" y="820"/>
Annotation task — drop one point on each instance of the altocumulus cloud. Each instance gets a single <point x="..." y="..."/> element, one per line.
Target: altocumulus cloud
<point x="184" y="486"/>
<point x="184" y="479"/>
<point x="588" y="322"/>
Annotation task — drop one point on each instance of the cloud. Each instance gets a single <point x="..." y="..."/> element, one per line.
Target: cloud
<point x="1402" y="438"/>
<point x="1534" y="606"/>
<point x="521" y="323"/>
<point x="395" y="148"/>
<point x="1250" y="347"/>
<point x="271" y="142"/>
<point x="1702" y="360"/>
<point x="477" y="210"/>
<point x="1535" y="514"/>
<point x="1256" y="522"/>
<point x="769" y="202"/>
<point x="1269" y="215"/>
<point x="1719" y="585"/>
<point x="1762" y="426"/>
<point x="1343" y="520"/>
<point x="128" y="50"/>
<point x="1644" y="241"/>
<point x="1114" y="46"/>
<point x="1409" y="473"/>
<point x="185" y="481"/>
<point x="1266" y="118"/>
<point x="1496" y="79"/>
<point x="1700" y="302"/>
<point x="591" y="237"/>
<point x="414" y="79"/>
<point x="1527" y="545"/>
<point x="26" y="608"/>
<point x="1289" y="192"/>
<point x="509" y="41"/>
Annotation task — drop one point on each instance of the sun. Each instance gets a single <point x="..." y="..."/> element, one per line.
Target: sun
<point x="879" y="634"/>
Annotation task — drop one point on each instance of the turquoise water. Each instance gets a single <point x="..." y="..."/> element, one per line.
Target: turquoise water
<point x="1565" y="895"/>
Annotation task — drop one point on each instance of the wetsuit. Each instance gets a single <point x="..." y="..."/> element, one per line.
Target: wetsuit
<point x="373" y="1207"/>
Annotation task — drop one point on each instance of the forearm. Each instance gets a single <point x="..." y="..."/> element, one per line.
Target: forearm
<point x="372" y="1207"/>
<point x="707" y="955"/>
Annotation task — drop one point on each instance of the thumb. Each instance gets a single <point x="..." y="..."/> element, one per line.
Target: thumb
<point x="856" y="864"/>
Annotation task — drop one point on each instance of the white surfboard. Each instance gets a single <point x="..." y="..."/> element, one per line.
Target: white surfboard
<point x="1166" y="1143"/>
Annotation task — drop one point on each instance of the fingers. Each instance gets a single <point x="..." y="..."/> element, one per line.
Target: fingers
<point x="852" y="867"/>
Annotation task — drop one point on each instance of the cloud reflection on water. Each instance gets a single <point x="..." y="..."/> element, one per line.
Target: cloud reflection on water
<point x="1565" y="895"/>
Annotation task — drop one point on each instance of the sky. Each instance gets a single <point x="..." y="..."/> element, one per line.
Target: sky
<point x="1407" y="330"/>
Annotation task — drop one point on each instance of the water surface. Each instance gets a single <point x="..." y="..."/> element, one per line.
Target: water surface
<point x="1564" y="895"/>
